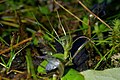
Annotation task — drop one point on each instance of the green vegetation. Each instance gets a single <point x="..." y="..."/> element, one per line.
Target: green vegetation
<point x="59" y="40"/>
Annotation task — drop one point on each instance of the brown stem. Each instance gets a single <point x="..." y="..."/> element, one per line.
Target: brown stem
<point x="16" y="45"/>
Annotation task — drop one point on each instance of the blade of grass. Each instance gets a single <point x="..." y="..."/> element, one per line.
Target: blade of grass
<point x="12" y="56"/>
<point x="9" y="23"/>
<point x="39" y="23"/>
<point x="3" y="61"/>
<point x="4" y="65"/>
<point x="109" y="52"/>
<point x="2" y="40"/>
<point x="53" y="28"/>
<point x="30" y="66"/>
<point x="97" y="51"/>
<point x="61" y="24"/>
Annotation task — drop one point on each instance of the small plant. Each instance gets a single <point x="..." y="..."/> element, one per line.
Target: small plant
<point x="115" y="35"/>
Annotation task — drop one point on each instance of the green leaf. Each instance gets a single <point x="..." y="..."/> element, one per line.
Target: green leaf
<point x="44" y="10"/>
<point x="73" y="75"/>
<point x="35" y="41"/>
<point x="47" y="37"/>
<point x="41" y="68"/>
<point x="85" y="19"/>
<point x="59" y="56"/>
<point x="108" y="74"/>
<point x="103" y="28"/>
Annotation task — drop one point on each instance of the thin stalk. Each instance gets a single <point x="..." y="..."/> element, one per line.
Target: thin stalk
<point x="61" y="24"/>
<point x="53" y="28"/>
<point x="30" y="64"/>
<point x="97" y="51"/>
<point x="94" y="14"/>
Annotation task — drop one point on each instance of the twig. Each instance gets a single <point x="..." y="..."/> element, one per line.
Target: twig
<point x="16" y="45"/>
<point x="70" y="12"/>
<point x="94" y="14"/>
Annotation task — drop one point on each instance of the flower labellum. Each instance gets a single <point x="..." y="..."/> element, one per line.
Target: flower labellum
<point x="52" y="64"/>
